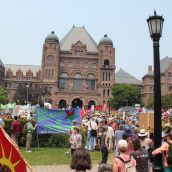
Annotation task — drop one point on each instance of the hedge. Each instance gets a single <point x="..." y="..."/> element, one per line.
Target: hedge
<point x="45" y="140"/>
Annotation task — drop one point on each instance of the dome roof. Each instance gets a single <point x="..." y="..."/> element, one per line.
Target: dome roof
<point x="106" y="40"/>
<point x="52" y="36"/>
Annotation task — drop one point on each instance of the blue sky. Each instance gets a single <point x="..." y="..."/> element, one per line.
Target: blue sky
<point x="24" y="24"/>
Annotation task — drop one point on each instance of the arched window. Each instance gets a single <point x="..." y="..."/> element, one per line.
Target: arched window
<point x="91" y="81"/>
<point x="63" y="81"/>
<point x="108" y="92"/>
<point x="62" y="104"/>
<point x="169" y="76"/>
<point x="77" y="81"/>
<point x="106" y="62"/>
<point x="104" y="92"/>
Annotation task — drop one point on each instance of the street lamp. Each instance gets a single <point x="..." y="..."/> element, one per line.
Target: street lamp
<point x="109" y="106"/>
<point x="27" y="87"/>
<point x="155" y="24"/>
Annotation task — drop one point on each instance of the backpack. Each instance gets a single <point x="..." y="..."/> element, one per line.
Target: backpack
<point x="129" y="167"/>
<point x="169" y="154"/>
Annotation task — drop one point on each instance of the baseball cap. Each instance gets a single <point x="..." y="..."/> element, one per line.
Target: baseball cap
<point x="122" y="144"/>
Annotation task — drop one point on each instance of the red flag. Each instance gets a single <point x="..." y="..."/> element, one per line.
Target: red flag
<point x="105" y="108"/>
<point x="10" y="157"/>
<point x="82" y="112"/>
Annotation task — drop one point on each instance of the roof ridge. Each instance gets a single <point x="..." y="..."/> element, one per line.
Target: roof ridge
<point x="23" y="65"/>
<point x="66" y="36"/>
<point x="130" y="76"/>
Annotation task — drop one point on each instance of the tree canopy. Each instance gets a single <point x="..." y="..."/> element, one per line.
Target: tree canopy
<point x="125" y="95"/>
<point x="3" y="96"/>
<point x="166" y="101"/>
<point x="36" y="95"/>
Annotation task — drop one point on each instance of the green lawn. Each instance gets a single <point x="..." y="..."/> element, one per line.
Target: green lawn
<point x="52" y="156"/>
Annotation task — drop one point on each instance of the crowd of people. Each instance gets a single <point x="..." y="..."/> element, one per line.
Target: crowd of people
<point x="132" y="147"/>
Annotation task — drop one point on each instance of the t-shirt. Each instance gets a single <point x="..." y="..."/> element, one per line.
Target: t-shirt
<point x="141" y="157"/>
<point x="16" y="127"/>
<point x="76" y="141"/>
<point x="121" y="165"/>
<point x="110" y="132"/>
<point x="119" y="134"/>
<point x="92" y="125"/>
<point x="29" y="127"/>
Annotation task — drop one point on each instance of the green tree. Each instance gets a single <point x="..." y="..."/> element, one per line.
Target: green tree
<point x="125" y="95"/>
<point x="150" y="103"/>
<point x="166" y="102"/>
<point x="3" y="96"/>
<point x="36" y="95"/>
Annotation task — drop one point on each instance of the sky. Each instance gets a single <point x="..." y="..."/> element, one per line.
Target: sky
<point x="24" y="24"/>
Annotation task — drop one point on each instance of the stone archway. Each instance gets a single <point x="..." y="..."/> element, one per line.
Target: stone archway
<point x="62" y="104"/>
<point x="77" y="102"/>
<point x="90" y="103"/>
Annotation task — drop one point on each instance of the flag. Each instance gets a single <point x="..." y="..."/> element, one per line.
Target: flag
<point x="10" y="156"/>
<point x="105" y="108"/>
<point x="91" y="110"/>
<point x="82" y="112"/>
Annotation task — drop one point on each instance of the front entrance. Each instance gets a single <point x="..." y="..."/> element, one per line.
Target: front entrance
<point x="90" y="103"/>
<point x="77" y="102"/>
<point x="62" y="104"/>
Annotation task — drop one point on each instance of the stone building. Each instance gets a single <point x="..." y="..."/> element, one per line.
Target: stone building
<point x="76" y="69"/>
<point x="166" y="80"/>
<point x="2" y="73"/>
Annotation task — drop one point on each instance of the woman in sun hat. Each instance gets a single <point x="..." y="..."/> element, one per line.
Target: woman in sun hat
<point x="144" y="140"/>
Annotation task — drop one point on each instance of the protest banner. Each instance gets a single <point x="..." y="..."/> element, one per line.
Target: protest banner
<point x="56" y="121"/>
<point x="146" y="120"/>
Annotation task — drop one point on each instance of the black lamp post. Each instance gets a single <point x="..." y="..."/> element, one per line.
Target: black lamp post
<point x="155" y="24"/>
<point x="109" y="106"/>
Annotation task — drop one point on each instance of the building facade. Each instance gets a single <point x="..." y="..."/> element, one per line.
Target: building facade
<point x="166" y="80"/>
<point x="2" y="73"/>
<point x="76" y="70"/>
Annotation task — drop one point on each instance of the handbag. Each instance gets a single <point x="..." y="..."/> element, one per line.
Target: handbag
<point x="93" y="132"/>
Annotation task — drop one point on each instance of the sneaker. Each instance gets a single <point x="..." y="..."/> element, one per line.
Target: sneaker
<point x="29" y="151"/>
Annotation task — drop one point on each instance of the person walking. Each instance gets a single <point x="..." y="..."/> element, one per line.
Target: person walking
<point x="92" y="134"/>
<point x="140" y="155"/>
<point x="110" y="134"/>
<point x="119" y="163"/>
<point x="29" y="131"/>
<point x="15" y="129"/>
<point x="75" y="140"/>
<point x="118" y="136"/>
<point x="104" y="144"/>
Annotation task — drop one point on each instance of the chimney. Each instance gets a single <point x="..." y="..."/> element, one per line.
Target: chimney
<point x="149" y="68"/>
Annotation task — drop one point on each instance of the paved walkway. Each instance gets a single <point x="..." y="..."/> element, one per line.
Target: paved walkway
<point x="60" y="168"/>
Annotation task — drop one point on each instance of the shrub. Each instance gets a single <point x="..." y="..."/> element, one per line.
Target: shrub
<point x="45" y="140"/>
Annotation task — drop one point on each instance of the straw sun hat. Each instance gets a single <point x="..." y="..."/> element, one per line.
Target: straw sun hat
<point x="143" y="133"/>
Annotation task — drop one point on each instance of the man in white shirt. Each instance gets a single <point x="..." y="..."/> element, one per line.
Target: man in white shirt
<point x="91" y="135"/>
<point x="111" y="135"/>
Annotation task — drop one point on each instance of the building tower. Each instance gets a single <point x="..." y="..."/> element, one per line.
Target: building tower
<point x="106" y="62"/>
<point x="50" y="62"/>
